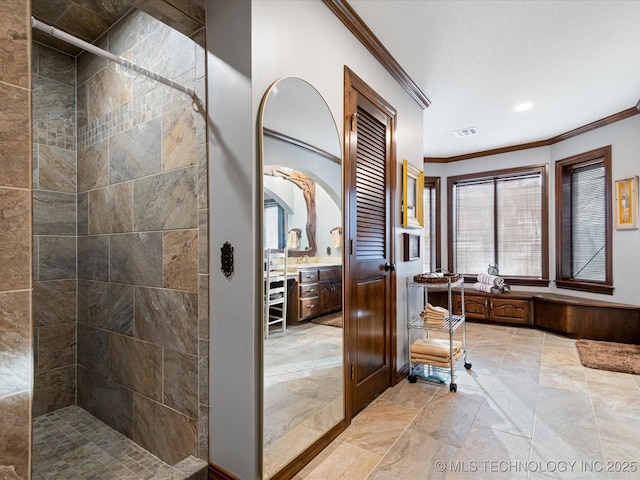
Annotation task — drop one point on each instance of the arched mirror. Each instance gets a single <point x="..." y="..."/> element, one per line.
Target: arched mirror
<point x="303" y="383"/>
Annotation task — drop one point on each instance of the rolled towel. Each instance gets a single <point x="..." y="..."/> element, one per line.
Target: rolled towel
<point x="485" y="287"/>
<point x="490" y="279"/>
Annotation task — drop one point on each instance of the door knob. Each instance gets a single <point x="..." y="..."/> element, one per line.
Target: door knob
<point x="389" y="267"/>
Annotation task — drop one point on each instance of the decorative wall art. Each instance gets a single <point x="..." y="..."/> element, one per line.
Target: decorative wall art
<point x="626" y="193"/>
<point x="412" y="191"/>
<point x="411" y="247"/>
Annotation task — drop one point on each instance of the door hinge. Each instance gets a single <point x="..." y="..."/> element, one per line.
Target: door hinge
<point x="354" y="121"/>
<point x="351" y="246"/>
<point x="353" y="371"/>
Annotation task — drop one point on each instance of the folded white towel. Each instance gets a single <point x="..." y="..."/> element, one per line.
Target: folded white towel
<point x="490" y="279"/>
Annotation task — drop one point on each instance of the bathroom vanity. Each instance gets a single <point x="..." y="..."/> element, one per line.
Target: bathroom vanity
<point x="316" y="290"/>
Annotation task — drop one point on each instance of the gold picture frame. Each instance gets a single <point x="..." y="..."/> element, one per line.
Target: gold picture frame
<point x="412" y="191"/>
<point x="626" y="192"/>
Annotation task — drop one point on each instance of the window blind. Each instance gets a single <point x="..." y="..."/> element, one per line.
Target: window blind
<point x="429" y="246"/>
<point x="588" y="231"/>
<point x="499" y="220"/>
<point x="519" y="226"/>
<point x="274" y="236"/>
<point x="474" y="226"/>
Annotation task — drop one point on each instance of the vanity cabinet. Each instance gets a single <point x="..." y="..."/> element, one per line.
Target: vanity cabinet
<point x="319" y="291"/>
<point x="330" y="285"/>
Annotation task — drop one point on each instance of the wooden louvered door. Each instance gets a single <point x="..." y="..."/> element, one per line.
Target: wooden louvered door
<point x="371" y="295"/>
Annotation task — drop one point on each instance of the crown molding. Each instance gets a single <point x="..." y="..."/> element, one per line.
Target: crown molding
<point x="361" y="31"/>
<point x="616" y="117"/>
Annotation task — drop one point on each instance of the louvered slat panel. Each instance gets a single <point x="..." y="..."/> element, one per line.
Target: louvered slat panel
<point x="370" y="188"/>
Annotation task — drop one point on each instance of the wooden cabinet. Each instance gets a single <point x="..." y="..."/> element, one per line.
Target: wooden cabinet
<point x="319" y="291"/>
<point x="308" y="288"/>
<point x="512" y="310"/>
<point x="504" y="308"/>
<point x="570" y="315"/>
<point x="588" y="318"/>
<point x="330" y="284"/>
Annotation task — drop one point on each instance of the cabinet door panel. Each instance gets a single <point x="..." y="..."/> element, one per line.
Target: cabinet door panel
<point x="510" y="310"/>
<point x="474" y="307"/>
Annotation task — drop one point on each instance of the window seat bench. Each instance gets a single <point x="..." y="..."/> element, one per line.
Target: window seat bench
<point x="576" y="317"/>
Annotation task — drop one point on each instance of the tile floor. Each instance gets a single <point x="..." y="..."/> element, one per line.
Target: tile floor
<point x="71" y="444"/>
<point x="526" y="410"/>
<point x="302" y="390"/>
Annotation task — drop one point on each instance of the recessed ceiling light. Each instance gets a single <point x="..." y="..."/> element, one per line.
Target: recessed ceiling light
<point x="523" y="106"/>
<point x="465" y="132"/>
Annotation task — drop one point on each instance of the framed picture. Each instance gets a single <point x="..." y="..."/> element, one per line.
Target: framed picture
<point x="412" y="191"/>
<point x="626" y="192"/>
<point x="411" y="247"/>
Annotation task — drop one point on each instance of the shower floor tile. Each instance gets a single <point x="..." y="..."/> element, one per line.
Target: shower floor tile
<point x="71" y="444"/>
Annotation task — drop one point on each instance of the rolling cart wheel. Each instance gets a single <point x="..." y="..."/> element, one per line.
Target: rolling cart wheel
<point x="467" y="365"/>
<point x="413" y="379"/>
<point x="453" y="387"/>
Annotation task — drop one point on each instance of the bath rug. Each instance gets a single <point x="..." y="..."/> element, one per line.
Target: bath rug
<point x="333" y="320"/>
<point x="614" y="357"/>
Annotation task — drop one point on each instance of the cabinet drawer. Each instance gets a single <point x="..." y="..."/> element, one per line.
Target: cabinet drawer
<point x="308" y="290"/>
<point x="309" y="307"/>
<point x="330" y="273"/>
<point x="510" y="310"/>
<point x="308" y="276"/>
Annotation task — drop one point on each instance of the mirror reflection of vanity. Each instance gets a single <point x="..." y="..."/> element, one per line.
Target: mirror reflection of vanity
<point x="303" y="368"/>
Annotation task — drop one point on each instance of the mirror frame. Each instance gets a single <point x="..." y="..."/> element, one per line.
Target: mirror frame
<point x="296" y="464"/>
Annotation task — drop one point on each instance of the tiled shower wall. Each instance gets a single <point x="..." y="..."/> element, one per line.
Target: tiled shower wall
<point x="15" y="240"/>
<point x="142" y="241"/>
<point x="54" y="229"/>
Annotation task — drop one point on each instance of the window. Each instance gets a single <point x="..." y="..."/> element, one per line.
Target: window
<point x="500" y="217"/>
<point x="431" y="246"/>
<point x="274" y="228"/>
<point x="583" y="222"/>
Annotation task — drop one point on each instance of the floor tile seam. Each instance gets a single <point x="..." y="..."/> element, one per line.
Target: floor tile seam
<point x="404" y="430"/>
<point x="380" y="457"/>
<point x="595" y="420"/>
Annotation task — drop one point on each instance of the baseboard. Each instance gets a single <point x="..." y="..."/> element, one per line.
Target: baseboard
<point x="401" y="374"/>
<point x="219" y="473"/>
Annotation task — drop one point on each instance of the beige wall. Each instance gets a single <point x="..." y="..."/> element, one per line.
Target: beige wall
<point x="15" y="240"/>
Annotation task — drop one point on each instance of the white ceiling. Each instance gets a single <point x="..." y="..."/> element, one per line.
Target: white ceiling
<point x="576" y="61"/>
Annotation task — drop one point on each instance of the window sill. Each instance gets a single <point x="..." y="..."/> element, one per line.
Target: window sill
<point x="585" y="286"/>
<point x="532" y="282"/>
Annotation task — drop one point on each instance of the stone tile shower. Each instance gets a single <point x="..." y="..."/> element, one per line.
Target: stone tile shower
<point x="120" y="260"/>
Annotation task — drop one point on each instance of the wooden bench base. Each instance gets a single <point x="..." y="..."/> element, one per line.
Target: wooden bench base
<point x="575" y="317"/>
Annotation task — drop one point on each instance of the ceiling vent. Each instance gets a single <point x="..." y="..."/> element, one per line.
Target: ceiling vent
<point x="466" y="132"/>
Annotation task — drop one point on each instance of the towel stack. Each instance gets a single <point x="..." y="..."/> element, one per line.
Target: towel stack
<point x="435" y="351"/>
<point x="491" y="284"/>
<point x="434" y="316"/>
